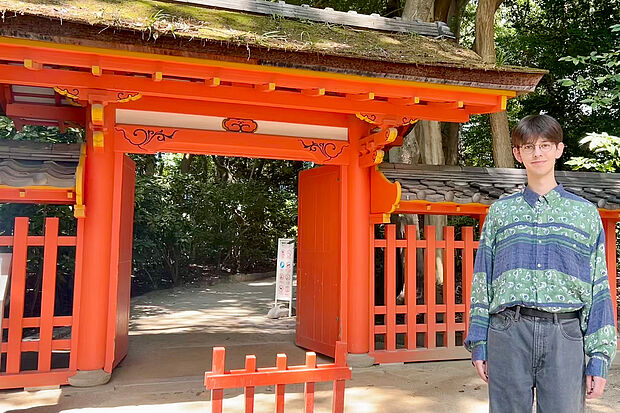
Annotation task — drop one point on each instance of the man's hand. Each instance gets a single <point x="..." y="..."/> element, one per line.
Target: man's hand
<point x="483" y="371"/>
<point x="594" y="387"/>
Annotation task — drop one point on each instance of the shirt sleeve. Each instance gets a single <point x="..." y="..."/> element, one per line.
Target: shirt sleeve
<point x="598" y="314"/>
<point x="476" y="340"/>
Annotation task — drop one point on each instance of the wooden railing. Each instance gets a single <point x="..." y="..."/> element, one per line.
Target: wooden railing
<point x="425" y="325"/>
<point x="279" y="376"/>
<point x="43" y="371"/>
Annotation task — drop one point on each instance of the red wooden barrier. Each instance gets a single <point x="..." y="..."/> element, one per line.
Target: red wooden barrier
<point x="385" y="327"/>
<point x="44" y="373"/>
<point x="310" y="373"/>
<point x="391" y="320"/>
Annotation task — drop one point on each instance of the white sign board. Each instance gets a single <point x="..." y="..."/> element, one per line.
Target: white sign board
<point x="5" y="269"/>
<point x="284" y="271"/>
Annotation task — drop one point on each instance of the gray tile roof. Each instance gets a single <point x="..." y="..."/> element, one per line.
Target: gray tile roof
<point x="466" y="185"/>
<point x="328" y="15"/>
<point x="24" y="164"/>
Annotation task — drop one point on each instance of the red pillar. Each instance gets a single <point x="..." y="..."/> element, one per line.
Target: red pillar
<point x="610" y="247"/>
<point x="94" y="297"/>
<point x="358" y="241"/>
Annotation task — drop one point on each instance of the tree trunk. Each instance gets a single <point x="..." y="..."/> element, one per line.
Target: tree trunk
<point x="451" y="142"/>
<point x="484" y="45"/>
<point x="422" y="10"/>
<point x="502" y="146"/>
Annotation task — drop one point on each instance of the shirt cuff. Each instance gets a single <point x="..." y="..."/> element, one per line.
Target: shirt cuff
<point x="597" y="366"/>
<point x="479" y="352"/>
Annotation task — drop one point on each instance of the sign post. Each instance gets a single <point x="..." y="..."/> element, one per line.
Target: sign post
<point x="284" y="272"/>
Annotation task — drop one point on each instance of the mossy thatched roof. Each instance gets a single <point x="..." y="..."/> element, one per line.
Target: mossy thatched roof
<point x="154" y="19"/>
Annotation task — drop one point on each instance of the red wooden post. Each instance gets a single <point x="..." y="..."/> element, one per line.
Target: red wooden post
<point x="280" y="388"/>
<point x="50" y="255"/>
<point x="448" y="286"/>
<point x="411" y="285"/>
<point x="77" y="293"/>
<point x="217" y="366"/>
<point x="309" y="387"/>
<point x="468" y="270"/>
<point x="371" y="297"/>
<point x="390" y="286"/>
<point x="610" y="246"/>
<point x="18" y="288"/>
<point x="340" y="360"/>
<point x="430" y="285"/>
<point x="250" y="367"/>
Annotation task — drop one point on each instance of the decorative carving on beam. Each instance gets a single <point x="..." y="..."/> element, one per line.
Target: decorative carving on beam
<point x="384" y="196"/>
<point x="375" y="119"/>
<point x="73" y="94"/>
<point x="124" y="97"/>
<point x="140" y="137"/>
<point x="371" y="147"/>
<point x="328" y="149"/>
<point x="239" y="125"/>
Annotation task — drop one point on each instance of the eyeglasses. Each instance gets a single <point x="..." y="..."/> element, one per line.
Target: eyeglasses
<point x="530" y="148"/>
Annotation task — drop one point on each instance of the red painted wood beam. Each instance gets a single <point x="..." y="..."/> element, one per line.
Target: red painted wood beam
<point x="228" y="94"/>
<point x="46" y="112"/>
<point x="254" y="111"/>
<point x="149" y="140"/>
<point x="150" y="65"/>
<point x="37" y="195"/>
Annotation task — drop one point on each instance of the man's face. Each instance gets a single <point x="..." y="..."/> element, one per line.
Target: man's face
<point x="539" y="157"/>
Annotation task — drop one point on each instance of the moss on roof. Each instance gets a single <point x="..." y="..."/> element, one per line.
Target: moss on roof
<point x="158" y="18"/>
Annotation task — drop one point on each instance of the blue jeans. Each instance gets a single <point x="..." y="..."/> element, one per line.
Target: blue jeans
<point x="527" y="353"/>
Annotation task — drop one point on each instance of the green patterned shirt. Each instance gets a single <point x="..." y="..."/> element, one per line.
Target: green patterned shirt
<point x="548" y="253"/>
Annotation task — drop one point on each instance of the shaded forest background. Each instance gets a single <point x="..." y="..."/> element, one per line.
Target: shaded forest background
<point x="208" y="215"/>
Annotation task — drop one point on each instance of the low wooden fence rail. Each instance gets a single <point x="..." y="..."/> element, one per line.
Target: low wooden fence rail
<point x="310" y="373"/>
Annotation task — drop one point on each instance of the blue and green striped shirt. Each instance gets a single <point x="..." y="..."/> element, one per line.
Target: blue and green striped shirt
<point x="545" y="252"/>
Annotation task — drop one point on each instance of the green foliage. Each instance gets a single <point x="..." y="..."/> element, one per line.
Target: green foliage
<point x="39" y="133"/>
<point x="538" y="33"/>
<point x="193" y="216"/>
<point x="606" y="150"/>
<point x="598" y="76"/>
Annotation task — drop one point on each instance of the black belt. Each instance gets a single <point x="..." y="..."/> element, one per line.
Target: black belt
<point x="544" y="314"/>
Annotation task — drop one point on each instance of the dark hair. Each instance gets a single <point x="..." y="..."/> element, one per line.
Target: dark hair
<point x="533" y="127"/>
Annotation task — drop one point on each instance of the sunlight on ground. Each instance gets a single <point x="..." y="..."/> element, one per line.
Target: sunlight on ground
<point x="25" y="400"/>
<point x="147" y="408"/>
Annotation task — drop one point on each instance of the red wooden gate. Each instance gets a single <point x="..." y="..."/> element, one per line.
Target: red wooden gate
<point x="318" y="259"/>
<point x="32" y="361"/>
<point x="431" y="322"/>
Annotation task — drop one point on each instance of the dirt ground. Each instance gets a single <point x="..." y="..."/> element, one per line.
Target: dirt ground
<point x="173" y="332"/>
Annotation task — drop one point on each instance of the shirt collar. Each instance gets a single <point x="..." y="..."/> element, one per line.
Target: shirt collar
<point x="531" y="197"/>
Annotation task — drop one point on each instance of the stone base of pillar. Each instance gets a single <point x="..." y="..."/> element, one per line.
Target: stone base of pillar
<point x="89" y="378"/>
<point x="360" y="360"/>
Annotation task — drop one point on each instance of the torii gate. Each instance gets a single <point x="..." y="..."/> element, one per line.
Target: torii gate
<point x="144" y="102"/>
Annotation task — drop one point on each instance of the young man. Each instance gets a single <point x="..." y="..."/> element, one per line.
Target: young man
<point x="540" y="295"/>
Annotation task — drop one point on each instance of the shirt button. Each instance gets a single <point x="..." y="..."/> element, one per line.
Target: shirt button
<point x="539" y="265"/>
<point x="539" y="241"/>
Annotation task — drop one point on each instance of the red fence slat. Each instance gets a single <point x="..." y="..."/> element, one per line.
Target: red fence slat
<point x="411" y="274"/>
<point x="449" y="286"/>
<point x="390" y="286"/>
<point x="48" y="293"/>
<point x="18" y="289"/>
<point x="218" y="379"/>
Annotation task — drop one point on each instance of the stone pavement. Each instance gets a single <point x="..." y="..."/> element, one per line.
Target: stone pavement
<point x="173" y="332"/>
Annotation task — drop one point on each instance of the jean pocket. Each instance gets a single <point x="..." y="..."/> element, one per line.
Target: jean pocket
<point x="571" y="329"/>
<point x="500" y="322"/>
